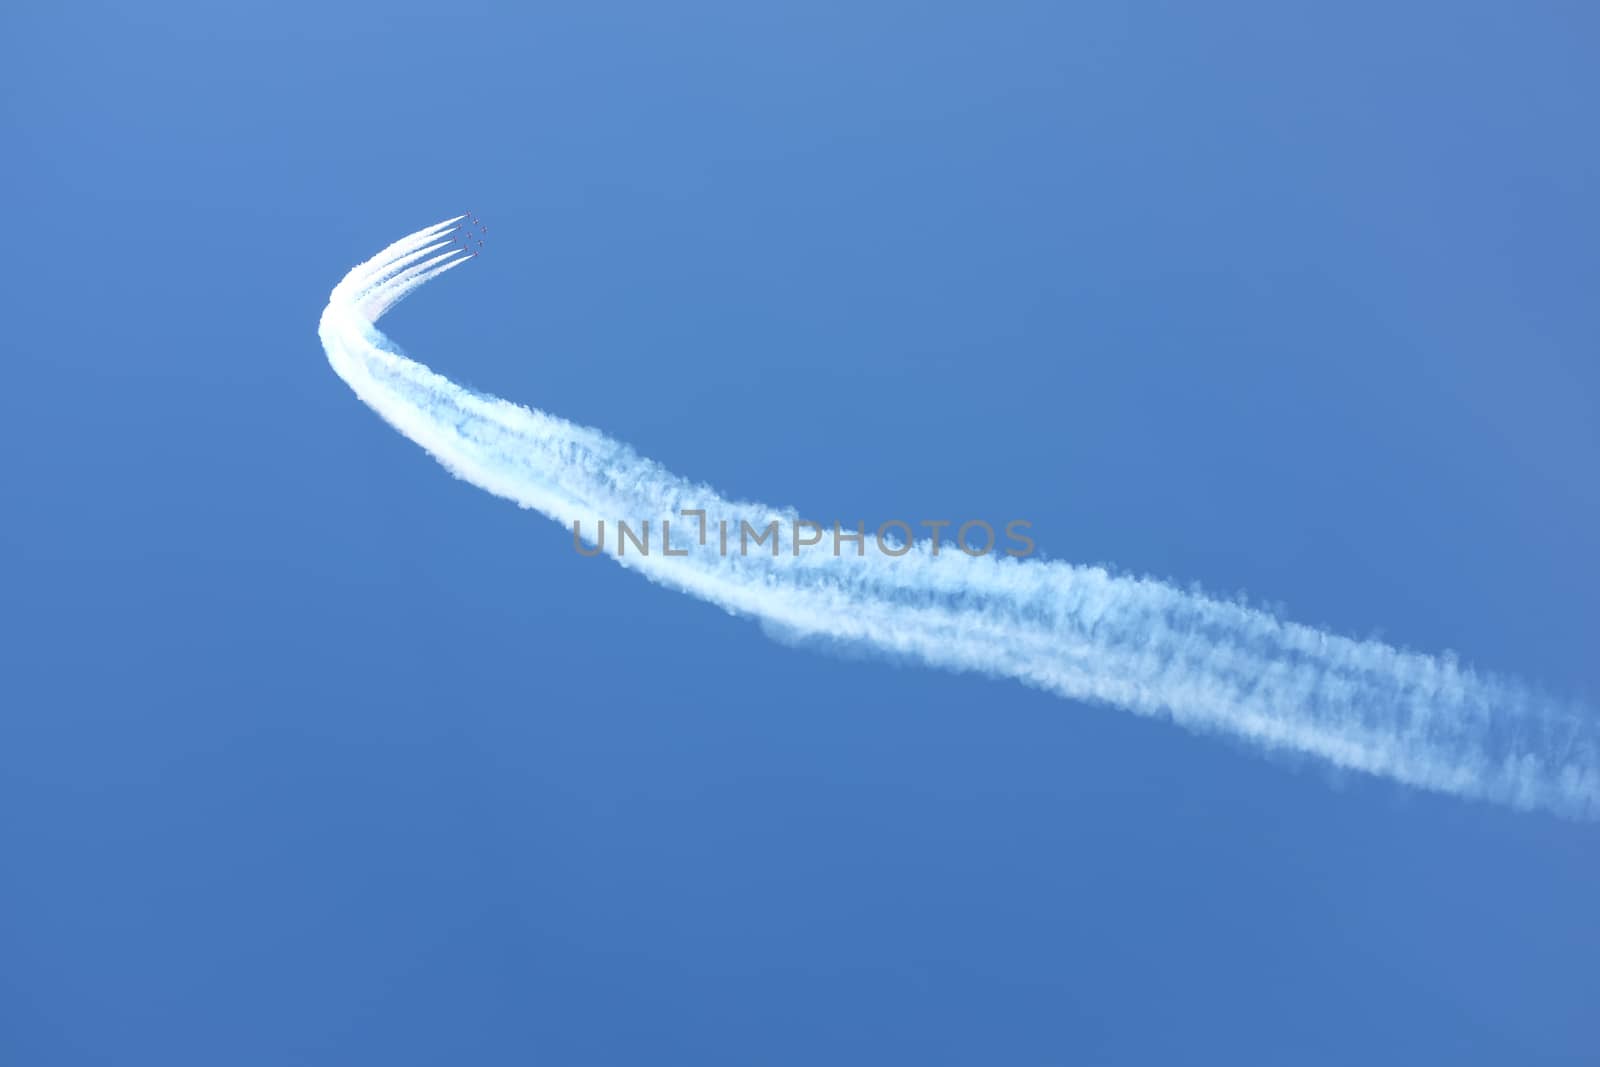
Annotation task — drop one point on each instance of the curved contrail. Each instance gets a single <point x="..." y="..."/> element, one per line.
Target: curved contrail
<point x="1080" y="632"/>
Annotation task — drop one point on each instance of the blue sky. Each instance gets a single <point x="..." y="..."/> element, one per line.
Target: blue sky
<point x="311" y="753"/>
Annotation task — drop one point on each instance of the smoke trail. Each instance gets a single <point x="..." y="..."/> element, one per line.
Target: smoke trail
<point x="1080" y="632"/>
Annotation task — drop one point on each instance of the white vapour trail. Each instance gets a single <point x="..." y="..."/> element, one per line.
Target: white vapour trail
<point x="1077" y="631"/>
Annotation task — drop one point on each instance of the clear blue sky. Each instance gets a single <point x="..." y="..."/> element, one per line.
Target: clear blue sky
<point x="311" y="754"/>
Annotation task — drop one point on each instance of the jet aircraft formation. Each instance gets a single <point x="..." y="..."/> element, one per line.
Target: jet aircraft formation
<point x="471" y="239"/>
